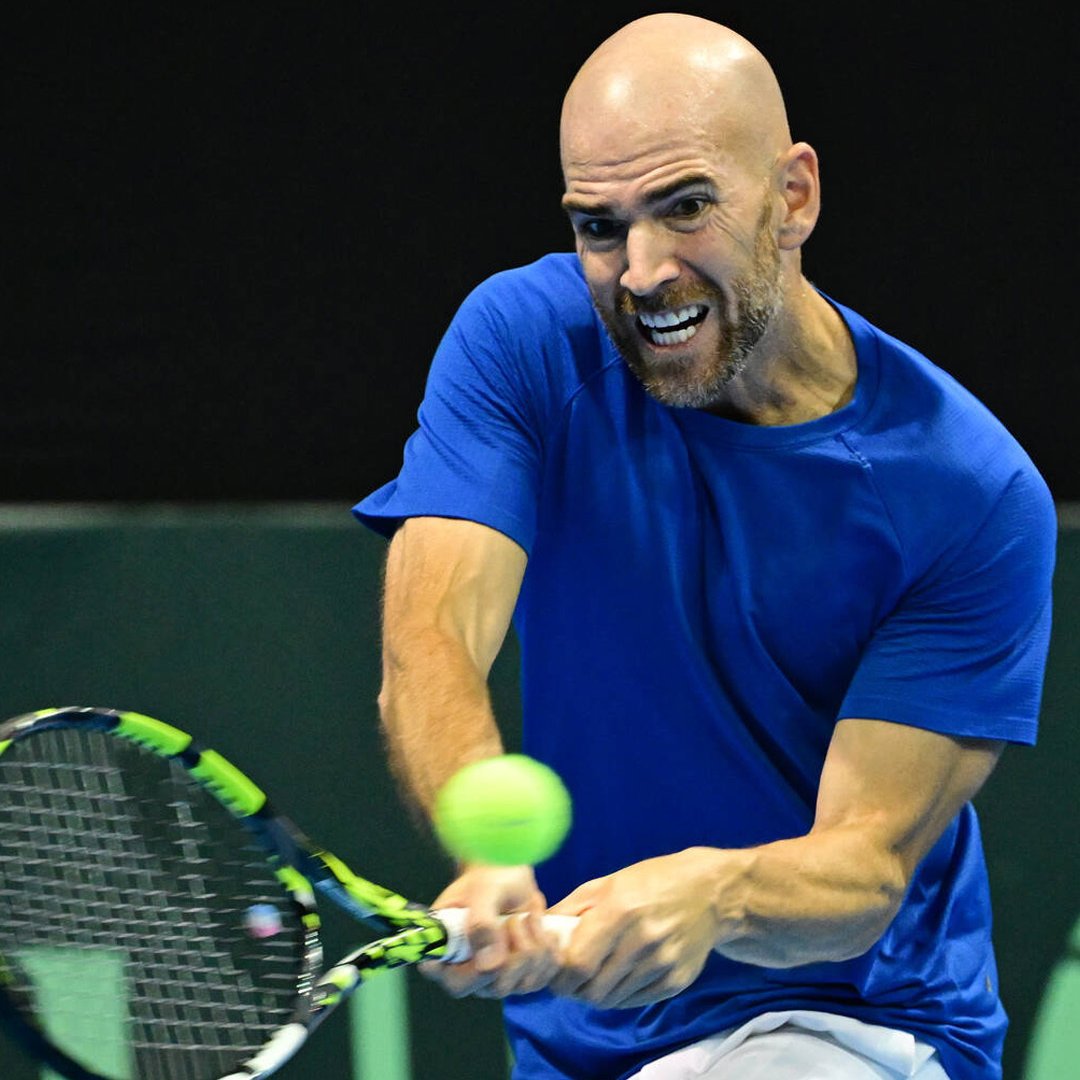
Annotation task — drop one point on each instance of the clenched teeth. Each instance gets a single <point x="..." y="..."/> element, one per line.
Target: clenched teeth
<point x="671" y="318"/>
<point x="672" y="327"/>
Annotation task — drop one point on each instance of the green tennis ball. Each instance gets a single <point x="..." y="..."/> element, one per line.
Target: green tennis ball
<point x="510" y="810"/>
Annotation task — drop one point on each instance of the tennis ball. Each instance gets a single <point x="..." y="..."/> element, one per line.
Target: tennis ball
<point x="510" y="810"/>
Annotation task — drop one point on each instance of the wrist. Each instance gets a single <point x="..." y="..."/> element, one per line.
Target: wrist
<point x="723" y="875"/>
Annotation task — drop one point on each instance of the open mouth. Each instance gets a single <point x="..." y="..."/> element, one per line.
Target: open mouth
<point x="671" y="327"/>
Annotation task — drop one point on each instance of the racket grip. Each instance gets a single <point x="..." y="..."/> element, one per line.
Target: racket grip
<point x="458" y="949"/>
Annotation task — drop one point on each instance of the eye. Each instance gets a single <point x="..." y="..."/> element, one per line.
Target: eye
<point x="598" y="230"/>
<point x="689" y="206"/>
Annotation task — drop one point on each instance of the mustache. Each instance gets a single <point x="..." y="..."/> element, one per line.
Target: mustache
<point x="626" y="303"/>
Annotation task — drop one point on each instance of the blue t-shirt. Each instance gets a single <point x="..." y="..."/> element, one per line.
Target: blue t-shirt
<point x="704" y="599"/>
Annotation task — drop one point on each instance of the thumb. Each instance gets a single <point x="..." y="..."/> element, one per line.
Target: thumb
<point x="489" y="944"/>
<point x="485" y="925"/>
<point x="579" y="901"/>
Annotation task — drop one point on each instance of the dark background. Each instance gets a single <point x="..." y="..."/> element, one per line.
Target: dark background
<point x="236" y="231"/>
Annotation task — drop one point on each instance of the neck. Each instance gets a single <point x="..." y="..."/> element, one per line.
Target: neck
<point x="803" y="368"/>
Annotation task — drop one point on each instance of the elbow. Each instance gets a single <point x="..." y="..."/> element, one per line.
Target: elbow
<point x="871" y="918"/>
<point x="858" y="939"/>
<point x="857" y="921"/>
<point x="845" y="938"/>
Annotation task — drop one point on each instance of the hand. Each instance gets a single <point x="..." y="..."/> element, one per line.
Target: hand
<point x="645" y="931"/>
<point x="510" y="956"/>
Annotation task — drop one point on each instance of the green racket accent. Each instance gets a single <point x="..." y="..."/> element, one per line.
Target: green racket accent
<point x="386" y="902"/>
<point x="155" y="735"/>
<point x="293" y="880"/>
<point x="291" y="863"/>
<point x="408" y="948"/>
<point x="377" y="957"/>
<point x="343" y="980"/>
<point x="228" y="783"/>
<point x="220" y="776"/>
<point x="300" y="888"/>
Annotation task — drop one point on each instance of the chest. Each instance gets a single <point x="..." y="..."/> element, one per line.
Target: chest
<point x="783" y="558"/>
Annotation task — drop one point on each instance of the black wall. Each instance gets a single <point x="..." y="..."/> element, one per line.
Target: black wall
<point x="236" y="231"/>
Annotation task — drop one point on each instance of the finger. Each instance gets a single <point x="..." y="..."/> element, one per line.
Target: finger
<point x="525" y="977"/>
<point x="538" y="934"/>
<point x="532" y="960"/>
<point x="659" y="989"/>
<point x="458" y="980"/>
<point x="616" y="969"/>
<point x="641" y="985"/>
<point x="579" y="964"/>
<point x="523" y="932"/>
<point x="489" y="940"/>
<point x="597" y="959"/>
<point x="529" y="965"/>
<point x="649" y="996"/>
<point x="578" y="901"/>
<point x="650" y="973"/>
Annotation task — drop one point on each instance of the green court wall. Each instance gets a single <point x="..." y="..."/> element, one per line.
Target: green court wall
<point x="257" y="627"/>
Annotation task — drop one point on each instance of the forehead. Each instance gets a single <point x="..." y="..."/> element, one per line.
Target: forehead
<point x="629" y="175"/>
<point x="621" y="150"/>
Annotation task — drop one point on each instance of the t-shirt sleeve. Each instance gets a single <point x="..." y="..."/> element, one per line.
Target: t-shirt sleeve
<point x="964" y="652"/>
<point x="476" y="452"/>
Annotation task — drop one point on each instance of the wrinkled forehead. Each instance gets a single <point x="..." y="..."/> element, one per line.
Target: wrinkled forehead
<point x="633" y="128"/>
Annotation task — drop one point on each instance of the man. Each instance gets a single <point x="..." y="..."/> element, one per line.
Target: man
<point x="782" y="590"/>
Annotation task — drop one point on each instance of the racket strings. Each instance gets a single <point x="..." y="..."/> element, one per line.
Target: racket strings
<point x="121" y="878"/>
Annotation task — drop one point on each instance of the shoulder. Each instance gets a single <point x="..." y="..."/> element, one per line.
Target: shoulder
<point x="944" y="463"/>
<point x="550" y="290"/>
<point x="535" y="323"/>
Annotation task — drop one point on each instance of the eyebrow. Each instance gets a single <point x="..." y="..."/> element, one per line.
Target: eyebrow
<point x="574" y="205"/>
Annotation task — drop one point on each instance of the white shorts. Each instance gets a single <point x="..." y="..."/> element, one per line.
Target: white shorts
<point x="801" y="1045"/>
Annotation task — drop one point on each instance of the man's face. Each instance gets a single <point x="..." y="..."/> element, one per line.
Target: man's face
<point x="682" y="262"/>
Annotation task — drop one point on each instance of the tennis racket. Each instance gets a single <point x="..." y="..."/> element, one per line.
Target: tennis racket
<point x="144" y="872"/>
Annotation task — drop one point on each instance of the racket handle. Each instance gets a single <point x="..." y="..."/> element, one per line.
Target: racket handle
<point x="457" y="941"/>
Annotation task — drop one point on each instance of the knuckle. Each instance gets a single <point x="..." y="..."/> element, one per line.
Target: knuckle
<point x="576" y="972"/>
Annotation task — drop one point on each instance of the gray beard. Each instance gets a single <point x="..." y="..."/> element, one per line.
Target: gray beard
<point x="758" y="298"/>
<point x="692" y="388"/>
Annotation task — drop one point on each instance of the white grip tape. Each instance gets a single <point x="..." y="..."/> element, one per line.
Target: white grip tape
<point x="458" y="949"/>
<point x="282" y="1045"/>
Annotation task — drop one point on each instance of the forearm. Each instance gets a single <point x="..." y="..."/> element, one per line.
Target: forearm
<point x="435" y="711"/>
<point x="887" y="791"/>
<point x="827" y="896"/>
<point x="646" y="931"/>
<point x="450" y="589"/>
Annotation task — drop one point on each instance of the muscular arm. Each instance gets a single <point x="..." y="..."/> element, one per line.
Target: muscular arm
<point x="887" y="791"/>
<point x="450" y="590"/>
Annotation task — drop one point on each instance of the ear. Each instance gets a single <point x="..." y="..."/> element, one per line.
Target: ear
<point x="799" y="186"/>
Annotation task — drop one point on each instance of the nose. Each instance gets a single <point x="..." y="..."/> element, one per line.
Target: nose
<point x="650" y="259"/>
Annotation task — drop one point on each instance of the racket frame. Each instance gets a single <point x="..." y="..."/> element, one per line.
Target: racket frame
<point x="409" y="932"/>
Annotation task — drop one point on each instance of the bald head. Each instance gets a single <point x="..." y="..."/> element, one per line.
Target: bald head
<point x="677" y="73"/>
